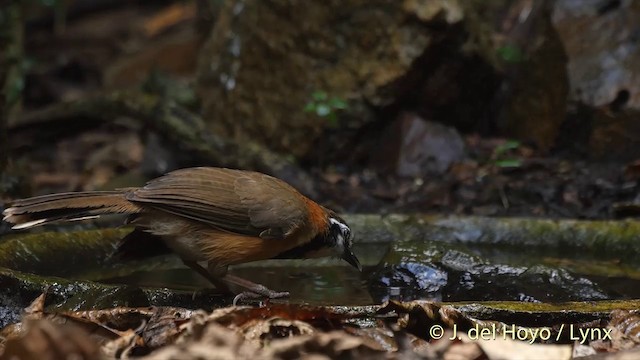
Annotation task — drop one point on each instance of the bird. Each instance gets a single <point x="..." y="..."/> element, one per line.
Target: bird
<point x="211" y="218"/>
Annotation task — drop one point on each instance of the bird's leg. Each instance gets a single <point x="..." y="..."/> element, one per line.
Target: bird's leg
<point x="217" y="282"/>
<point x="256" y="291"/>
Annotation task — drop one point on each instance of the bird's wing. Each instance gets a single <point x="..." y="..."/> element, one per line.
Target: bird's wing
<point x="241" y="202"/>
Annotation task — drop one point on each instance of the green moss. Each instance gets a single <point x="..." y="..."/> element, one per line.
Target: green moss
<point x="60" y="253"/>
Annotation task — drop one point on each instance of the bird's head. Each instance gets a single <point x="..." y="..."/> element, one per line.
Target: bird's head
<point x="340" y="240"/>
<point x="333" y="239"/>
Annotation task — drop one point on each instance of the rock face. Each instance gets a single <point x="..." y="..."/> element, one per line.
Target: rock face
<point x="603" y="49"/>
<point x="324" y="79"/>
<point x="532" y="99"/>
<point x="265" y="60"/>
<point x="431" y="270"/>
<point x="415" y="147"/>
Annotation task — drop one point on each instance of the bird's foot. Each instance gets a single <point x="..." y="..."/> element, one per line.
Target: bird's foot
<point x="254" y="291"/>
<point x="262" y="293"/>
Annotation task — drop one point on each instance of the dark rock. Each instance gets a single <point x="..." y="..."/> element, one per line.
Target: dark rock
<point x="409" y="280"/>
<point x="414" y="147"/>
<point x="603" y="47"/>
<point x="473" y="278"/>
<point x="532" y="99"/>
<point x="265" y="60"/>
<point x="432" y="270"/>
<point x="603" y="50"/>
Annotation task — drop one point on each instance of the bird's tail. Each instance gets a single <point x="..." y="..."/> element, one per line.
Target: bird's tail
<point x="27" y="213"/>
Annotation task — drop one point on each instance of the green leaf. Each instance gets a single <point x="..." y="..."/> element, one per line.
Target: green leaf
<point x="509" y="163"/>
<point x="338" y="103"/>
<point x="310" y="107"/>
<point x="506" y="146"/>
<point x="323" y="110"/>
<point x="332" y="119"/>
<point x="15" y="91"/>
<point x="511" y="54"/>
<point x="319" y="96"/>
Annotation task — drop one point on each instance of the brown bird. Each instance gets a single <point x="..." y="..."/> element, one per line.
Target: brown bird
<point x="216" y="216"/>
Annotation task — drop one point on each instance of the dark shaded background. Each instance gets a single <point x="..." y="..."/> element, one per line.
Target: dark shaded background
<point x="472" y="107"/>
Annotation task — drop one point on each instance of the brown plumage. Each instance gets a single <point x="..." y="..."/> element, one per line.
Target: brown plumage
<point x="218" y="216"/>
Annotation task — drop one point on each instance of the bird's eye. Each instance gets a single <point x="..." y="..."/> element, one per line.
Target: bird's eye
<point x="340" y="228"/>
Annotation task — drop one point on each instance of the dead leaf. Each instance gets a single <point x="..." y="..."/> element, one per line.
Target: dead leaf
<point x="320" y="317"/>
<point x="162" y="328"/>
<point x="213" y="342"/>
<point x="508" y="349"/>
<point x="44" y="340"/>
<point x="463" y="351"/>
<point x="263" y="332"/>
<point x="627" y="322"/>
<point x="331" y="345"/>
<point x="625" y="332"/>
<point x="34" y="311"/>
<point x="379" y="338"/>
<point x="119" y="318"/>
<point x="123" y="346"/>
<point x="36" y="308"/>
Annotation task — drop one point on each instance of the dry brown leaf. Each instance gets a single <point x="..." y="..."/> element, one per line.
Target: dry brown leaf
<point x="331" y="345"/>
<point x="263" y="332"/>
<point x="463" y="351"/>
<point x="36" y="308"/>
<point x="508" y="349"/>
<point x="379" y="338"/>
<point x="162" y="327"/>
<point x="417" y="317"/>
<point x="627" y="322"/>
<point x="123" y="346"/>
<point x="112" y="324"/>
<point x="209" y="342"/>
<point x="245" y="333"/>
<point x="319" y="317"/>
<point x="44" y="340"/>
<point x="625" y="332"/>
<point x="631" y="354"/>
<point x="99" y="332"/>
<point x="119" y="318"/>
<point x="34" y="311"/>
<point x="445" y="348"/>
<point x="122" y="319"/>
<point x="582" y="350"/>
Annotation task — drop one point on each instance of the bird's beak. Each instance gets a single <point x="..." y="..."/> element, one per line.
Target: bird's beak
<point x="351" y="258"/>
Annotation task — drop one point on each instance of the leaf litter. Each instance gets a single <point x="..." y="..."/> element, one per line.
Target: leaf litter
<point x="397" y="330"/>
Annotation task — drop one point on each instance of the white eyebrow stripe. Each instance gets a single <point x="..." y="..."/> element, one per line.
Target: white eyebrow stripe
<point x="342" y="226"/>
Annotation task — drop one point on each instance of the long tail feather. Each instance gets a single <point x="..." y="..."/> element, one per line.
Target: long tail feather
<point x="40" y="210"/>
